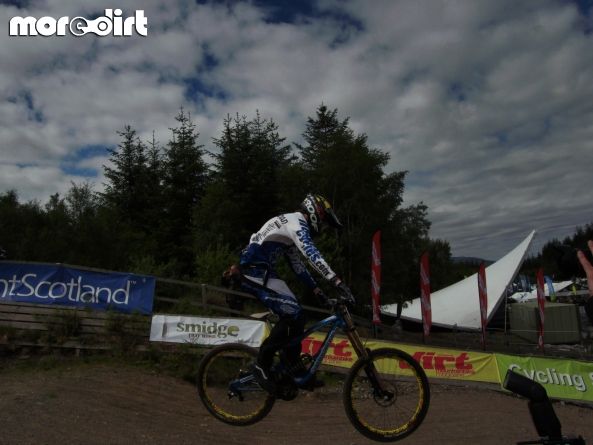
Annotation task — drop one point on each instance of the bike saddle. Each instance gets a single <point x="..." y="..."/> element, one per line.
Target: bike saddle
<point x="265" y="316"/>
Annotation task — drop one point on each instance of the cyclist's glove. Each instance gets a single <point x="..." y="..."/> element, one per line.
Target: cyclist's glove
<point x="344" y="291"/>
<point x="323" y="299"/>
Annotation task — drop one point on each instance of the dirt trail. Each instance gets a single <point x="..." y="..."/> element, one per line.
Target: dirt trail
<point x="109" y="404"/>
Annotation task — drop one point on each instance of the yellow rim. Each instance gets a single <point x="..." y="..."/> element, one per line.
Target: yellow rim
<point x="402" y="428"/>
<point x="221" y="411"/>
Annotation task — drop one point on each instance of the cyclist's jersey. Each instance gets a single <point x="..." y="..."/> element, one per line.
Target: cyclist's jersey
<point x="286" y="235"/>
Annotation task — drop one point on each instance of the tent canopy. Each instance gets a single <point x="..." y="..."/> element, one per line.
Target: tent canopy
<point x="458" y="305"/>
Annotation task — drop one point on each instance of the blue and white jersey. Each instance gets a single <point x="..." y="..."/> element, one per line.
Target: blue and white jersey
<point x="286" y="235"/>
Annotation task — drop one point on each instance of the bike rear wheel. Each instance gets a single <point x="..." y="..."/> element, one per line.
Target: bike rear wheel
<point x="227" y="388"/>
<point x="400" y="409"/>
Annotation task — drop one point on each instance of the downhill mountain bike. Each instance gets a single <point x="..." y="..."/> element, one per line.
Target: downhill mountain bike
<point x="386" y="393"/>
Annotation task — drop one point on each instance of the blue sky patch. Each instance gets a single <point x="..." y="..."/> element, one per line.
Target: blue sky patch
<point x="70" y="164"/>
<point x="21" y="4"/>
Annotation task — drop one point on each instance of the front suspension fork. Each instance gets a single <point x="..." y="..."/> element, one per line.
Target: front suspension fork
<point x="363" y="353"/>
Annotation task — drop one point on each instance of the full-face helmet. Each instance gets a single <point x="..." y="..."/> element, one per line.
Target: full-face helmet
<point x="320" y="213"/>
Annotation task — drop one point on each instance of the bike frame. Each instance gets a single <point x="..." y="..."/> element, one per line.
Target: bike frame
<point x="333" y="322"/>
<point x="340" y="319"/>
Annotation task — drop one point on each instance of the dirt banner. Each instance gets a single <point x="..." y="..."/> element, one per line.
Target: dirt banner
<point x="437" y="362"/>
<point x="207" y="331"/>
<point x="563" y="379"/>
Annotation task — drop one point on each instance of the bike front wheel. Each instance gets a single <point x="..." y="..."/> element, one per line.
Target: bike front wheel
<point x="386" y="396"/>
<point x="227" y="388"/>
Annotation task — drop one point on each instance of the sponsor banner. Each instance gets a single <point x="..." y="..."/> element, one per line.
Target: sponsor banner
<point x="340" y="352"/>
<point x="563" y="379"/>
<point x="453" y="364"/>
<point x="551" y="290"/>
<point x="376" y="277"/>
<point x="207" y="331"/>
<point x="436" y="362"/>
<point x="541" y="302"/>
<point x="425" y="294"/>
<point x="68" y="286"/>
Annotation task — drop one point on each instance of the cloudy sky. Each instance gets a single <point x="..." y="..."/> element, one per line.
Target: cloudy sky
<point x="487" y="104"/>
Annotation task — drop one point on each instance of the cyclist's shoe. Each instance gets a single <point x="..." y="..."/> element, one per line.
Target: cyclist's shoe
<point x="313" y="384"/>
<point x="264" y="378"/>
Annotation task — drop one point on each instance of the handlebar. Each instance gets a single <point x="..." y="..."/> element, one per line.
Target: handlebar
<point x="341" y="300"/>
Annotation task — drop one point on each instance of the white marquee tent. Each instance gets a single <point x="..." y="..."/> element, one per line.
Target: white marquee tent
<point x="458" y="305"/>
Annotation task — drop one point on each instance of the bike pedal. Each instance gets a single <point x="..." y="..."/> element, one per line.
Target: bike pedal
<point x="313" y="384"/>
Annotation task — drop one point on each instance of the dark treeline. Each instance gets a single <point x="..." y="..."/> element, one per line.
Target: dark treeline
<point x="558" y="257"/>
<point x="164" y="210"/>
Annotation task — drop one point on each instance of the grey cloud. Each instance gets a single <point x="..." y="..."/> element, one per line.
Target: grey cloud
<point x="487" y="104"/>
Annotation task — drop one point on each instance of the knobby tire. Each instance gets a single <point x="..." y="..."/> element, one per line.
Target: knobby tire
<point x="388" y="418"/>
<point x="217" y="369"/>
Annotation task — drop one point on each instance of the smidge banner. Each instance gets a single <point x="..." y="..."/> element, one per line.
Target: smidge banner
<point x="58" y="284"/>
<point x="206" y="331"/>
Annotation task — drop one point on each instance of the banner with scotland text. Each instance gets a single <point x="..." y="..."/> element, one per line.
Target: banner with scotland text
<point x="70" y="286"/>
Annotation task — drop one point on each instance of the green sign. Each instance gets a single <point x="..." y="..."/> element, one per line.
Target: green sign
<point x="563" y="379"/>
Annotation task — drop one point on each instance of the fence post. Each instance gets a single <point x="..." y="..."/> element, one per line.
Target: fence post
<point x="203" y="295"/>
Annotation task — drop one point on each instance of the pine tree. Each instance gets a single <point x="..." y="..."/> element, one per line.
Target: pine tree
<point x="341" y="166"/>
<point x="246" y="187"/>
<point x="154" y="213"/>
<point x="56" y="236"/>
<point x="126" y="190"/>
<point x="96" y="237"/>
<point x="184" y="179"/>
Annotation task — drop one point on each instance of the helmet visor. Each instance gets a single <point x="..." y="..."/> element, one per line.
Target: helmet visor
<point x="332" y="219"/>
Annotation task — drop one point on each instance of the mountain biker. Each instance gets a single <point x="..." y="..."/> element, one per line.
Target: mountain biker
<point x="287" y="234"/>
